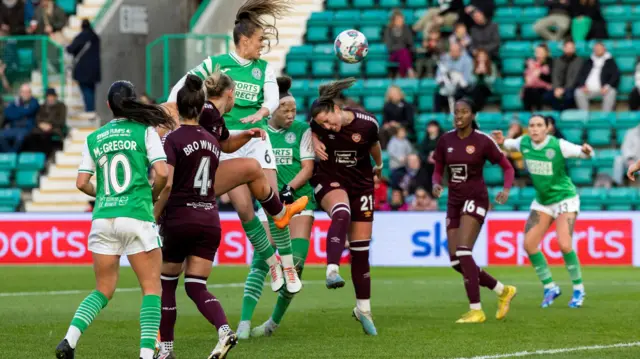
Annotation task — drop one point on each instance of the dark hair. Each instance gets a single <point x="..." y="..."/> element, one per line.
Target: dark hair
<point x="284" y="85"/>
<point x="86" y="24"/>
<point x="569" y="40"/>
<point x="328" y="93"/>
<point x="217" y="83"/>
<point x="190" y="98"/>
<point x="489" y="62"/>
<point x="249" y="18"/>
<point x="547" y="119"/>
<point x="474" y="110"/>
<point x="123" y="103"/>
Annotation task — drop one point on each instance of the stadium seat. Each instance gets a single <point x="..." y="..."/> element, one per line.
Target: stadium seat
<point x="323" y="69"/>
<point x="374" y="18"/>
<point x="27" y="179"/>
<point x="574" y="116"/>
<point x="514" y="66"/>
<point x="5" y="178"/>
<point x="597" y="118"/>
<point x="377" y="86"/>
<point x="322" y="18"/>
<point x="604" y="158"/>
<point x="338" y="29"/>
<point x="617" y="30"/>
<point x="511" y="102"/>
<point x="627" y="83"/>
<point x="337" y="4"/>
<point x="519" y="49"/>
<point x="356" y="90"/>
<point x="425" y="103"/>
<point x="297" y="69"/>
<point x="417" y="4"/>
<point x="318" y="34"/>
<point x="613" y="13"/>
<point x="300" y="88"/>
<point x="581" y="176"/>
<point x="378" y="51"/>
<point x="524" y="2"/>
<point x="635" y="29"/>
<point x="512" y="85"/>
<point x="376" y="68"/>
<point x="10" y="197"/>
<point x="372" y="32"/>
<point x="507" y="31"/>
<point x="391" y="4"/>
<point x="592" y="196"/>
<point x="532" y="14"/>
<point x="599" y="137"/>
<point x="528" y="33"/>
<point x="8" y="161"/>
<point x="507" y="15"/>
<point x="623" y="48"/>
<point x="348" y="70"/>
<point x="573" y="135"/>
<point x="348" y="19"/>
<point x="502" y="207"/>
<point x="627" y="64"/>
<point x="303" y="52"/>
<point x="493" y="175"/>
<point x="408" y="86"/>
<point x="373" y="103"/>
<point x="301" y="118"/>
<point x="363" y="4"/>
<point x="69" y="6"/>
<point x="323" y="52"/>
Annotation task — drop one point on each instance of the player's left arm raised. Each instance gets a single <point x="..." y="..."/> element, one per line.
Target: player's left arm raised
<point x="85" y="172"/>
<point x="271" y="98"/>
<point x="571" y="150"/>
<point x="495" y="156"/>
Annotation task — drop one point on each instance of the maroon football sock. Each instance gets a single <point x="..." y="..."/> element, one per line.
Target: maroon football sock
<point x="360" y="268"/>
<point x="471" y="274"/>
<point x="272" y="205"/>
<point x="485" y="279"/>
<point x="337" y="234"/>
<point x="207" y="304"/>
<point x="169" y="311"/>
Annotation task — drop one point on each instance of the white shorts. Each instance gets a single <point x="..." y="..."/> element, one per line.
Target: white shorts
<point x="263" y="216"/>
<point x="256" y="148"/>
<point x="569" y="205"/>
<point x="123" y="235"/>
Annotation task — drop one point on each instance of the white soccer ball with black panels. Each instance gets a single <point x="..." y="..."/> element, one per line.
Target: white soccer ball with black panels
<point x="351" y="46"/>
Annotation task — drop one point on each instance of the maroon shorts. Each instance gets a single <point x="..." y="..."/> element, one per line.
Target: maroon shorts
<point x="180" y="242"/>
<point x="360" y="202"/>
<point x="476" y="208"/>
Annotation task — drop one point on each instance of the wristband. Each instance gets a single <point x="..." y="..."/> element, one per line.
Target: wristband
<point x="376" y="167"/>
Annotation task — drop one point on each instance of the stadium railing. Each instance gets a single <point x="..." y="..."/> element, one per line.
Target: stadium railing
<point x="25" y="54"/>
<point x="173" y="55"/>
<point x="196" y="15"/>
<point x="101" y="13"/>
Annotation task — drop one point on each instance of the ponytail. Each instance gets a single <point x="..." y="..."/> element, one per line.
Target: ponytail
<point x="124" y="104"/>
<point x="328" y="93"/>
<point x="190" y="98"/>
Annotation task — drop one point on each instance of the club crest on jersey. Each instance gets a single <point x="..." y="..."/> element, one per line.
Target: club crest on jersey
<point x="471" y="149"/>
<point x="335" y="184"/>
<point x="550" y="154"/>
<point x="356" y="137"/>
<point x="290" y="137"/>
<point x="256" y="73"/>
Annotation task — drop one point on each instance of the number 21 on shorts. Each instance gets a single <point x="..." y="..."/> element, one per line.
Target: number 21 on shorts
<point x="470" y="207"/>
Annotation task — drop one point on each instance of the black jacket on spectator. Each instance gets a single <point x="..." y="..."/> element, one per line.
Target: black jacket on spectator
<point x="591" y="9"/>
<point x="565" y="71"/>
<point x="486" y="37"/>
<point x="86" y="51"/>
<point x="402" y="113"/>
<point x="453" y="6"/>
<point x="610" y="73"/>
<point x="14" y="17"/>
<point x="558" y="7"/>
<point x="488" y="8"/>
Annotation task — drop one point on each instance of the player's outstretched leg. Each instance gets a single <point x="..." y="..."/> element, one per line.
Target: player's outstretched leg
<point x="252" y="292"/>
<point x="539" y="221"/>
<point x="361" y="277"/>
<point x="85" y="314"/>
<point x="300" y="247"/>
<point x="169" y="316"/>
<point x="336" y="239"/>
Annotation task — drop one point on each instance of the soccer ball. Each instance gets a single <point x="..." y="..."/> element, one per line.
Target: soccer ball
<point x="351" y="46"/>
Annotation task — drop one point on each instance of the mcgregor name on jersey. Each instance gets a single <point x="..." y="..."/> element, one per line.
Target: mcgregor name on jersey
<point x="112" y="146"/>
<point x="540" y="168"/>
<point x="202" y="144"/>
<point x="284" y="156"/>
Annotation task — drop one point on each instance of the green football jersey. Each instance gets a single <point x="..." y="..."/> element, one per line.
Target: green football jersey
<point x="250" y="78"/>
<point x="119" y="154"/>
<point x="292" y="146"/>
<point x="548" y="171"/>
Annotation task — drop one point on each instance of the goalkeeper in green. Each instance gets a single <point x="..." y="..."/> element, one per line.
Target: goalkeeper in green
<point x="556" y="200"/>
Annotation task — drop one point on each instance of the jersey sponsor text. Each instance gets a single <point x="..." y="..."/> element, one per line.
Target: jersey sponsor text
<point x="284" y="156"/>
<point x="247" y="91"/>
<point x="540" y="168"/>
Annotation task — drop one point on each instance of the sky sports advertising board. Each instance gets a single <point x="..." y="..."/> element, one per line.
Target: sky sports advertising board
<point x="399" y="239"/>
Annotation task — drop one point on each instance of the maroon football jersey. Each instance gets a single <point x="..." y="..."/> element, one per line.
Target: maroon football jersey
<point x="349" y="160"/>
<point x="213" y="122"/>
<point x="464" y="159"/>
<point x="194" y="153"/>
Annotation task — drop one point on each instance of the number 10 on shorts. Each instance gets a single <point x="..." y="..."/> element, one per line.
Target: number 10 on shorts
<point x="470" y="207"/>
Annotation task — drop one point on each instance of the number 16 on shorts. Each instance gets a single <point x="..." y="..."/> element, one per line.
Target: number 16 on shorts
<point x="470" y="207"/>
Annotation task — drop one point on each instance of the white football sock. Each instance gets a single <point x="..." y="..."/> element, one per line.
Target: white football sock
<point x="73" y="335"/>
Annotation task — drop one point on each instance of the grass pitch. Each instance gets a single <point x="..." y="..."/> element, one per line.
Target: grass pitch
<point x="414" y="310"/>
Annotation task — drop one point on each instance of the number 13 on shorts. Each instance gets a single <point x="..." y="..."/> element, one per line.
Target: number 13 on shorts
<point x="470" y="207"/>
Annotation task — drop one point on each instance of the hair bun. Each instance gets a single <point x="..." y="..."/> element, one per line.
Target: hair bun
<point x="284" y="83"/>
<point x="193" y="83"/>
<point x="244" y="15"/>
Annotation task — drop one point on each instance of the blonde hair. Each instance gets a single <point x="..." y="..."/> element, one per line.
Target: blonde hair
<point x="388" y="94"/>
<point x="217" y="83"/>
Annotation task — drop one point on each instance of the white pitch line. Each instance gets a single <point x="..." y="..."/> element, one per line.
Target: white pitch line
<point x="556" y="351"/>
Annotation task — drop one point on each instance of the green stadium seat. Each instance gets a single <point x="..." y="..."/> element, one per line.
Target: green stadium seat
<point x="512" y="84"/>
<point x="622" y="195"/>
<point x="374" y="18"/>
<point x="372" y="32"/>
<point x="627" y="83"/>
<point x="605" y="157"/>
<point x="417" y="4"/>
<point x="502" y="2"/>
<point x="625" y="120"/>
<point x="600" y="119"/>
<point x="425" y="103"/>
<point x="378" y="51"/>
<point x="297" y="68"/>
<point x="507" y="15"/>
<point x="300" y="87"/>
<point x="7" y="209"/>
<point x="590" y="207"/>
<point x="599" y="137"/>
<point x="318" y="34"/>
<point x="323" y="69"/>
<point x="301" y="118"/>
<point x="635" y="29"/>
<point x="573" y="135"/>
<point x="8" y="161"/>
<point x="391" y="4"/>
<point x="522" y="116"/>
<point x="617" y="30"/>
<point x="337" y="30"/>
<point x="408" y="86"/>
<point x="376" y="68"/>
<point x="69" y="6"/>
<point x="323" y="52"/>
<point x="348" y="70"/>
<point x="574" y="116"/>
<point x="581" y="176"/>
<point x="519" y="49"/>
<point x="511" y="102"/>
<point x="528" y="33"/>
<point x="363" y="4"/>
<point x="514" y="66"/>
<point x="524" y="2"/>
<point x="507" y="31"/>
<point x="507" y="207"/>
<point x="337" y="4"/>
<point x="377" y="86"/>
<point x="619" y="207"/>
<point x="493" y="175"/>
<point x="27" y="179"/>
<point x="356" y="90"/>
<point x="347" y="18"/>
<point x="10" y="197"/>
<point x="5" y="178"/>
<point x="323" y="18"/>
<point x="428" y="85"/>
<point x="613" y="13"/>
<point x="532" y="14"/>
<point x="592" y="195"/>
<point x="303" y="52"/>
<point x="373" y="103"/>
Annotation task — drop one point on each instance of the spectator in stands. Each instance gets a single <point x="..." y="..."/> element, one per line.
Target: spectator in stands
<point x="446" y="14"/>
<point x="427" y="56"/>
<point x="537" y="79"/>
<point x="566" y="69"/>
<point x="20" y="118"/>
<point x="486" y="7"/>
<point x="454" y="75"/>
<point x="397" y="201"/>
<point x="630" y="154"/>
<point x="485" y="35"/>
<point x="86" y="50"/>
<point x="399" y="40"/>
<point x="555" y="25"/>
<point x="399" y="148"/>
<point x="552" y="129"/>
<point x="415" y="176"/>
<point x="461" y="36"/>
<point x="51" y="120"/>
<point x="422" y="201"/>
<point x="12" y="18"/>
<point x="380" y="194"/>
<point x="30" y="7"/>
<point x="485" y="74"/>
<point x="599" y="76"/>
<point x="396" y="112"/>
<point x="49" y="19"/>
<point x="634" y="96"/>
<point x="428" y="145"/>
<point x="587" y="20"/>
